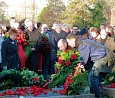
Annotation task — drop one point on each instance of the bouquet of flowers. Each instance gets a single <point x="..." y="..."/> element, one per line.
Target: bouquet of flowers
<point x="44" y="49"/>
<point x="22" y="38"/>
<point x="43" y="40"/>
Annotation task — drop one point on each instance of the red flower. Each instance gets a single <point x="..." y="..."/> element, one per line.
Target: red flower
<point x="56" y="71"/>
<point x="9" y="92"/>
<point x="112" y="85"/>
<point x="73" y="57"/>
<point x="65" y="85"/>
<point x="59" y="60"/>
<point x="63" y="91"/>
<point x="67" y="62"/>
<point x="35" y="79"/>
<point x="101" y="86"/>
<point x="54" y="91"/>
<point x="35" y="94"/>
<point x="66" y="51"/>
<point x="68" y="77"/>
<point x="0" y="94"/>
<point x="44" y="38"/>
<point x="25" y="43"/>
<point x="45" y="92"/>
<point x="60" y="92"/>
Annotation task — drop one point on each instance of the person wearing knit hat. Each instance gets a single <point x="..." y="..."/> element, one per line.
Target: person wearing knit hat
<point x="84" y="33"/>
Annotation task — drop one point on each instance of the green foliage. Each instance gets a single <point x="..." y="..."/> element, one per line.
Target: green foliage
<point x="59" y="78"/>
<point x="27" y="50"/>
<point x="110" y="78"/>
<point x="52" y="12"/>
<point x="97" y="15"/>
<point x="86" y="13"/>
<point x="28" y="78"/>
<point x="7" y="78"/>
<point x="79" y="84"/>
<point x="42" y="14"/>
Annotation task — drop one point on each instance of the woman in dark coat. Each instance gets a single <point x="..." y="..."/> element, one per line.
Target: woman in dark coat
<point x="9" y="53"/>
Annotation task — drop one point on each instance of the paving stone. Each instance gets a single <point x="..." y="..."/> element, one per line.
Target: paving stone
<point x="108" y="91"/>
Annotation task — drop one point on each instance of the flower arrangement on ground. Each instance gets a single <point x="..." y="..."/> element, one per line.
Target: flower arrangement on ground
<point x="109" y="80"/>
<point x="70" y="74"/>
<point x="13" y="78"/>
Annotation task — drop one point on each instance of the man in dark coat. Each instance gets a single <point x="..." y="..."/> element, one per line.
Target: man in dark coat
<point x="9" y="53"/>
<point x="56" y="34"/>
<point x="33" y="35"/>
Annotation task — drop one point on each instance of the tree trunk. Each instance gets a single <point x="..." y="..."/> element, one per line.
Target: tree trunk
<point x="112" y="23"/>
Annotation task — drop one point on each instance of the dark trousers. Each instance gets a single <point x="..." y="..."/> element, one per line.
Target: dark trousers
<point x="0" y="68"/>
<point x="52" y="63"/>
<point x="46" y="67"/>
<point x="94" y="83"/>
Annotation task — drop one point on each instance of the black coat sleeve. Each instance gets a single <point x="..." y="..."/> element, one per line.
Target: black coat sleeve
<point x="4" y="53"/>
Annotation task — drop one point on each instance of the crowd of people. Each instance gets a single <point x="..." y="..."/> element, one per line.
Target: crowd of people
<point x="96" y="47"/>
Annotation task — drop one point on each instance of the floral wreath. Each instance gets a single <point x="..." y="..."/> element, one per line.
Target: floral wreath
<point x="69" y="73"/>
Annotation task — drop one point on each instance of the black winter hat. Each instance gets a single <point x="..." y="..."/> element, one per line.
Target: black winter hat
<point x="83" y="31"/>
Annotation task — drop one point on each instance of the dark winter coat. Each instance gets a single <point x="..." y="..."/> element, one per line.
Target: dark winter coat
<point x="9" y="54"/>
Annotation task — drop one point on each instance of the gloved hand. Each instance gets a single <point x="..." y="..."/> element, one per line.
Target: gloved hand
<point x="4" y="67"/>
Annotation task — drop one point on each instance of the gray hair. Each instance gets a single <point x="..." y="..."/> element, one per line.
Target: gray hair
<point x="64" y="26"/>
<point x="58" y="26"/>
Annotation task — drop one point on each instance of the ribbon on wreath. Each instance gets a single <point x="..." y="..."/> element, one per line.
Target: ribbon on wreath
<point x="40" y="60"/>
<point x="22" y="56"/>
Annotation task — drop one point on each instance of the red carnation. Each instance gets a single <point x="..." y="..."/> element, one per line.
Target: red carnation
<point x="35" y="79"/>
<point x="73" y="56"/>
<point x="67" y="62"/>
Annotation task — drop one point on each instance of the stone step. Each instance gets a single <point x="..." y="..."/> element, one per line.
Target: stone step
<point x="108" y="91"/>
<point x="60" y="96"/>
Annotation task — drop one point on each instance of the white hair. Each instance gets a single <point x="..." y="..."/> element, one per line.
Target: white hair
<point x="44" y="26"/>
<point x="62" y="41"/>
<point x="53" y="27"/>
